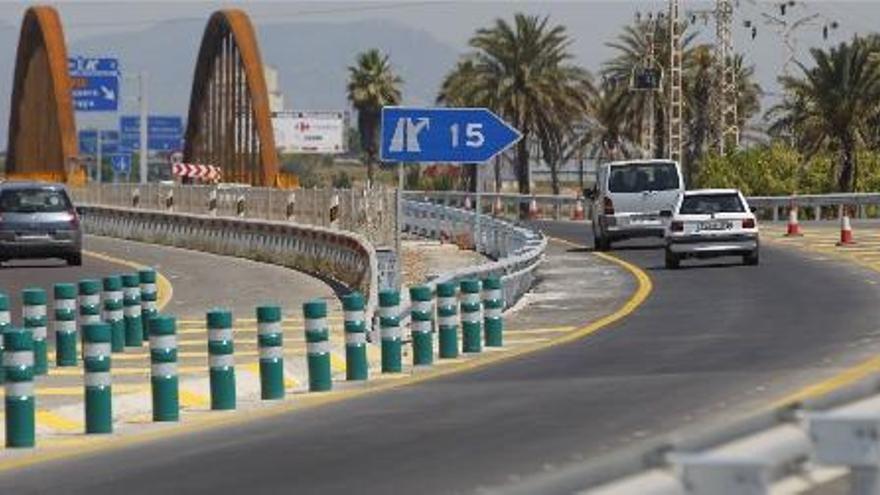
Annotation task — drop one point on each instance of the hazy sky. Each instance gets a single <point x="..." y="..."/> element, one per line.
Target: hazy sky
<point x="590" y="23"/>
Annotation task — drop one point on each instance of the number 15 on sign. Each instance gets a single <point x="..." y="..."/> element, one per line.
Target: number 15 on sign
<point x="448" y="135"/>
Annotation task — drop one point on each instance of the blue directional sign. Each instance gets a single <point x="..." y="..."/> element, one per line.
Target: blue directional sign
<point x="88" y="142"/>
<point x="95" y="83"/>
<point x="121" y="163"/>
<point x="448" y="135"/>
<point x="164" y="132"/>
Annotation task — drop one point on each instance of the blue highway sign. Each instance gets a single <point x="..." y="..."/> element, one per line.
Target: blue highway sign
<point x="446" y="135"/>
<point x="95" y="83"/>
<point x="164" y="132"/>
<point x="88" y="142"/>
<point x="121" y="163"/>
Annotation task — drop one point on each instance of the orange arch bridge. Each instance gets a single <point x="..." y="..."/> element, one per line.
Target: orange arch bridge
<point x="229" y="124"/>
<point x="42" y="130"/>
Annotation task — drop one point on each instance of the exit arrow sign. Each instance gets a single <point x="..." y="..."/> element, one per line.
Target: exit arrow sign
<point x="446" y="135"/>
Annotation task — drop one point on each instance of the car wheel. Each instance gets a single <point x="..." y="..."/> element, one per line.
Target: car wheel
<point x="672" y="260"/>
<point x="75" y="259"/>
<point x="751" y="259"/>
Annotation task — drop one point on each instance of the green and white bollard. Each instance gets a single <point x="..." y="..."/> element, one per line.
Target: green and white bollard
<point x="447" y="319"/>
<point x="89" y="304"/>
<point x="65" y="324"/>
<point x="149" y="296"/>
<point x="317" y="345"/>
<point x="221" y="359"/>
<point x="20" y="409"/>
<point x="471" y="318"/>
<point x="493" y="306"/>
<point x="163" y="368"/>
<point x="356" y="364"/>
<point x="270" y="339"/>
<point x="113" y="314"/>
<point x="34" y="317"/>
<point x="131" y="310"/>
<point x="98" y="393"/>
<point x="422" y="325"/>
<point x="389" y="328"/>
<point x="5" y="322"/>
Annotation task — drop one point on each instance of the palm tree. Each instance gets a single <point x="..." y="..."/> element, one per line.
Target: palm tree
<point x="608" y="131"/>
<point x="523" y="72"/>
<point x="372" y="84"/>
<point x="830" y="107"/>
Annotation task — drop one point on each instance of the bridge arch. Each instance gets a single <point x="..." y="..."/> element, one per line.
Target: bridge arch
<point x="229" y="124"/>
<point x="42" y="130"/>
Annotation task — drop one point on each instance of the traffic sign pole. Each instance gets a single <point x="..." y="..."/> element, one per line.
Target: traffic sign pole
<point x="98" y="158"/>
<point x="142" y="100"/>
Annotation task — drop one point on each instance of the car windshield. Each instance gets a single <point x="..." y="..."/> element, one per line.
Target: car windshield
<point x="37" y="200"/>
<point x="704" y="204"/>
<point x="640" y="177"/>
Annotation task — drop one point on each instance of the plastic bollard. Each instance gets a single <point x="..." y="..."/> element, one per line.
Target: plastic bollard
<point x="389" y="329"/>
<point x="447" y="319"/>
<point x="98" y="389"/>
<point x="163" y="368"/>
<point x="317" y="346"/>
<point x="149" y="295"/>
<point x="356" y="365"/>
<point x="19" y="403"/>
<point x="493" y="306"/>
<point x="471" y="324"/>
<point x="131" y="310"/>
<point x="34" y="317"/>
<point x="65" y="324"/>
<point x="221" y="359"/>
<point x="89" y="302"/>
<point x="5" y="322"/>
<point x="422" y="325"/>
<point x="112" y="313"/>
<point x="270" y="339"/>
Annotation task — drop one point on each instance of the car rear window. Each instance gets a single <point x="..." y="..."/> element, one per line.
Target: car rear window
<point x="700" y="204"/>
<point x="37" y="200"/>
<point x="640" y="177"/>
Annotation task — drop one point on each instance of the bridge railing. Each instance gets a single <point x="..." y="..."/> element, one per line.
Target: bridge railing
<point x="372" y="213"/>
<point x="345" y="257"/>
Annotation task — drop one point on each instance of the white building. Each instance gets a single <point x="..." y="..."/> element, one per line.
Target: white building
<point x="276" y="98"/>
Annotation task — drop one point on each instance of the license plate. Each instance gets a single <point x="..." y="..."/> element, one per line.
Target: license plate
<point x="644" y="219"/>
<point x="716" y="225"/>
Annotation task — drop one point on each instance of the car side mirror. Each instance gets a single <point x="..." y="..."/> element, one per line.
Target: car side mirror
<point x="753" y="209"/>
<point x="666" y="213"/>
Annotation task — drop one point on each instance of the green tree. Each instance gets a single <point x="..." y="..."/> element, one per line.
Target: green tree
<point x="829" y="108"/>
<point x="523" y="71"/>
<point x="372" y="84"/>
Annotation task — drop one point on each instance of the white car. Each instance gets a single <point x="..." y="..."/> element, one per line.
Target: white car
<point x="628" y="197"/>
<point x="709" y="223"/>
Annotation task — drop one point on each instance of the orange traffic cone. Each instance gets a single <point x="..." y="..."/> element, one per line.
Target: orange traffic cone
<point x="534" y="212"/>
<point x="794" y="229"/>
<point x="578" y="212"/>
<point x="846" y="234"/>
<point x="498" y="208"/>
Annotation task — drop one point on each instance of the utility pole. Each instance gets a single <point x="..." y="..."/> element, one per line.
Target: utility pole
<point x="728" y="128"/>
<point x="650" y="62"/>
<point x="675" y="85"/>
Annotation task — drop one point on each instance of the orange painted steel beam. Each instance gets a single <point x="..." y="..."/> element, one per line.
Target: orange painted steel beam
<point x="202" y="134"/>
<point x="42" y="129"/>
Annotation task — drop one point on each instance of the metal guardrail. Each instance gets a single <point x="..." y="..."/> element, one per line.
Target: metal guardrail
<point x="342" y="256"/>
<point x="371" y="213"/>
<point x="505" y="205"/>
<point x="838" y="433"/>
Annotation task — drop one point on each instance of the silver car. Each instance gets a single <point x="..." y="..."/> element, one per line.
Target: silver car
<point x="38" y="220"/>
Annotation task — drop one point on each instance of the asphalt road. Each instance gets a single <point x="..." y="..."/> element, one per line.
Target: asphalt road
<point x="712" y="341"/>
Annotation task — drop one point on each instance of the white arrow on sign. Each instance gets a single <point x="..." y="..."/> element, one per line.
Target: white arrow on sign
<point x="109" y="94"/>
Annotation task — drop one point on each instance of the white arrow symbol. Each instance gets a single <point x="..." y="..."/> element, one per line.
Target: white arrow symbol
<point x="108" y="93"/>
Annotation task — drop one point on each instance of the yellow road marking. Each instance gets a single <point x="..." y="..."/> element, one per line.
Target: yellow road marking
<point x="164" y="289"/>
<point x="255" y="369"/>
<point x="57" y="422"/>
<point x="200" y="422"/>
<point x="142" y="370"/>
<point x="190" y="399"/>
<point x="842" y="379"/>
<point x="78" y="391"/>
<point x="538" y="331"/>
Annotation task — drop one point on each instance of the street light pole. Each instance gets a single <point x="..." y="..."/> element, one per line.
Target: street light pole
<point x="144" y="152"/>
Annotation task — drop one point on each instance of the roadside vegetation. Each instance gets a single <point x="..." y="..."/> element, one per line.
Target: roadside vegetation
<point x="823" y="136"/>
